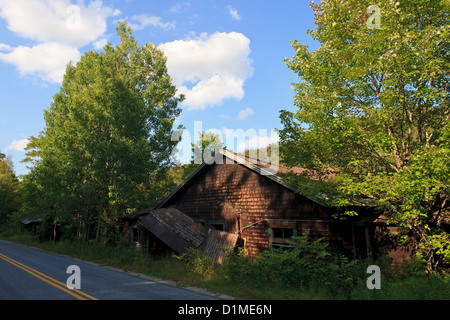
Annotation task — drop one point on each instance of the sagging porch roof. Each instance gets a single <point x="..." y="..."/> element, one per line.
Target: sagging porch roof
<point x="180" y="232"/>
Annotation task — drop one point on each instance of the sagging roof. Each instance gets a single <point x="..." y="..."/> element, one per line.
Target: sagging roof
<point x="217" y="243"/>
<point x="174" y="228"/>
<point x="28" y="221"/>
<point x="180" y="232"/>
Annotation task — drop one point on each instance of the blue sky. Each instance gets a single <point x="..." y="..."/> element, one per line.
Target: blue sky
<point x="225" y="56"/>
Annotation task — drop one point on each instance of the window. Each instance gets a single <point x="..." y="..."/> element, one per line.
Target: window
<point x="282" y="233"/>
<point x="134" y="234"/>
<point x="279" y="236"/>
<point x="217" y="225"/>
<point x="213" y="224"/>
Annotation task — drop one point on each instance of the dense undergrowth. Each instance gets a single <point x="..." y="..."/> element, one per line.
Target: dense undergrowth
<point x="306" y="271"/>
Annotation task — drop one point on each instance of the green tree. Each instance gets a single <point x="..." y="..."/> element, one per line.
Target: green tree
<point x="205" y="146"/>
<point x="9" y="185"/>
<point x="107" y="129"/>
<point x="373" y="110"/>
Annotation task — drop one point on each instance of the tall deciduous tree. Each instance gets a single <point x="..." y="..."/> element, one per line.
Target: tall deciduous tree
<point x="107" y="129"/>
<point x="9" y="185"/>
<point x="373" y="109"/>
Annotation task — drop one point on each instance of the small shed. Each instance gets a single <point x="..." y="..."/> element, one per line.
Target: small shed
<point x="30" y="225"/>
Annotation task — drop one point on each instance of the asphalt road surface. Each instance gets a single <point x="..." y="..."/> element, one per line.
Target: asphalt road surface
<point x="30" y="274"/>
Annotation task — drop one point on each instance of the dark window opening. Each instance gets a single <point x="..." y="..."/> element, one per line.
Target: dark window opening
<point x="220" y="226"/>
<point x="213" y="224"/>
<point x="282" y="233"/>
<point x="278" y="238"/>
<point x="134" y="234"/>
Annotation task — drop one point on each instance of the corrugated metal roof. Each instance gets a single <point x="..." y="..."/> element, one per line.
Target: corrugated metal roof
<point x="27" y="221"/>
<point x="174" y="228"/>
<point x="180" y="232"/>
<point x="218" y="244"/>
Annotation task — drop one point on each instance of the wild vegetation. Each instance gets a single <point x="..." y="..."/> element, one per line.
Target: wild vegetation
<point x="372" y="115"/>
<point x="290" y="275"/>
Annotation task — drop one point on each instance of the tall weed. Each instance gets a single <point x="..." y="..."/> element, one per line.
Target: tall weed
<point x="304" y="265"/>
<point x="198" y="263"/>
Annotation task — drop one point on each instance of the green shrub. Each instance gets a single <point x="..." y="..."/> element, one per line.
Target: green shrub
<point x="304" y="265"/>
<point x="198" y="263"/>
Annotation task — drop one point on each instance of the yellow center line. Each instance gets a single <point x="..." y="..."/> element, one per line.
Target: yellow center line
<point x="55" y="283"/>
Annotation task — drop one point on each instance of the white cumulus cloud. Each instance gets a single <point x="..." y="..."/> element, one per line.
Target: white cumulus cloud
<point x="209" y="68"/>
<point x="56" y="20"/>
<point x="17" y="145"/>
<point x="100" y="43"/>
<point x="60" y="29"/>
<point x="47" y="61"/>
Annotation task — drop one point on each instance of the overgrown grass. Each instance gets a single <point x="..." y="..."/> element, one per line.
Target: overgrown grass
<point x="284" y="275"/>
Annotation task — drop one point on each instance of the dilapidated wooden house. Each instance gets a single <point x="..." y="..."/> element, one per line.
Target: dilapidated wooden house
<point x="248" y="205"/>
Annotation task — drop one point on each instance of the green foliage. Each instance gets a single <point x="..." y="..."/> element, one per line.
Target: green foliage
<point x="309" y="271"/>
<point x="163" y="181"/>
<point x="412" y="287"/>
<point x="415" y="200"/>
<point x="305" y="265"/>
<point x="198" y="264"/>
<point x="299" y="265"/>
<point x="372" y="117"/>
<point x="107" y="129"/>
<point x="9" y="189"/>
<point x="206" y="145"/>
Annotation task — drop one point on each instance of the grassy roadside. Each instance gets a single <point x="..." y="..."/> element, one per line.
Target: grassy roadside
<point x="165" y="268"/>
<point x="238" y="283"/>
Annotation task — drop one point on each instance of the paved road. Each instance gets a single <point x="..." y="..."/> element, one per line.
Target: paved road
<point x="30" y="274"/>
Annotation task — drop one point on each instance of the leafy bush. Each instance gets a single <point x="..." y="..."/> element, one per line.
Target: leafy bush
<point x="198" y="263"/>
<point x="304" y="264"/>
